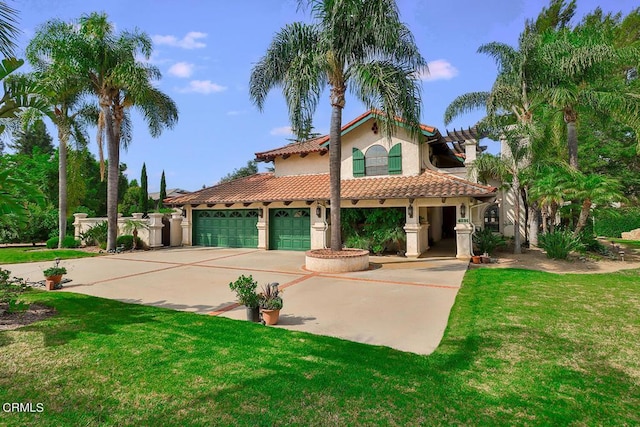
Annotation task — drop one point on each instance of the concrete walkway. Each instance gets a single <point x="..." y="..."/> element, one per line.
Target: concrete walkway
<point x="399" y="303"/>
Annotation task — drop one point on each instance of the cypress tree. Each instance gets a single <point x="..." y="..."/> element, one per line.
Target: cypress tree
<point x="163" y="190"/>
<point x="144" y="191"/>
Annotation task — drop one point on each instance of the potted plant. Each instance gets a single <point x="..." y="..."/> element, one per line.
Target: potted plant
<point x="486" y="242"/>
<point x="53" y="275"/>
<point x="270" y="303"/>
<point x="245" y="289"/>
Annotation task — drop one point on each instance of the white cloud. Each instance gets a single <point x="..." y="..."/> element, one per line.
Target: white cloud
<point x="189" y="41"/>
<point x="202" y="86"/>
<point x="181" y="69"/>
<point x="440" y="69"/>
<point x="281" y="131"/>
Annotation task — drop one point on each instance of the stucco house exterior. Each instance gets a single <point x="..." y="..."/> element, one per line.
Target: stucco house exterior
<point x="288" y="209"/>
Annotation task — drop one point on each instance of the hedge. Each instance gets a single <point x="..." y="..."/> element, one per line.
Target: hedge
<point x="613" y="222"/>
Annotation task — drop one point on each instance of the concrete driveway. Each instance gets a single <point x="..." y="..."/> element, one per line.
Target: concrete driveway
<point x="399" y="303"/>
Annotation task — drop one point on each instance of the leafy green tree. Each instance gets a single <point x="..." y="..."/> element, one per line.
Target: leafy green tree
<point x="130" y="199"/>
<point x="34" y="137"/>
<point x="356" y="44"/>
<point x="163" y="190"/>
<point x="250" y="169"/>
<point x="143" y="203"/>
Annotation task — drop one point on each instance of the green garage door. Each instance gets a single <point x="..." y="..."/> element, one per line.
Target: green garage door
<point x="290" y="229"/>
<point x="225" y="228"/>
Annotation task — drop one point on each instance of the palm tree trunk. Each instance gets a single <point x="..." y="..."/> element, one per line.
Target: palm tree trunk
<point x="62" y="187"/>
<point x="582" y="219"/>
<point x="113" y="173"/>
<point x="517" y="240"/>
<point x="533" y="225"/>
<point x="570" y="117"/>
<point x="335" y="158"/>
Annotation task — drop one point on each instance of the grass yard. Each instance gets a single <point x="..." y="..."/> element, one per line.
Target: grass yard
<point x="522" y="347"/>
<point x="630" y="243"/>
<point x="15" y="255"/>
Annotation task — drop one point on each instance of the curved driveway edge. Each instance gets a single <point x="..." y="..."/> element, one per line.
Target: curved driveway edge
<point x="400" y="303"/>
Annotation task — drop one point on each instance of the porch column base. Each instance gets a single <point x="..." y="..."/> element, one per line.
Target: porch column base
<point x="463" y="241"/>
<point x="413" y="239"/>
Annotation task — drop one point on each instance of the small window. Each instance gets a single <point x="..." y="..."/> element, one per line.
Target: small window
<point x="492" y="218"/>
<point x="376" y="161"/>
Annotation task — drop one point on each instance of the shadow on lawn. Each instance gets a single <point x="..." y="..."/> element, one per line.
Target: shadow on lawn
<point x="200" y="308"/>
<point x="87" y="315"/>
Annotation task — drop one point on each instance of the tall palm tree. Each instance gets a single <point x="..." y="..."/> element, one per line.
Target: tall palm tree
<point x="63" y="91"/>
<point x="586" y="69"/>
<point x="121" y="82"/>
<point x="108" y="66"/>
<point x="352" y="44"/>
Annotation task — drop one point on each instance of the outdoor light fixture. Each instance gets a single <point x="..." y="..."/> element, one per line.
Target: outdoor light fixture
<point x="260" y="212"/>
<point x="318" y="211"/>
<point x="410" y="210"/>
<point x="184" y="212"/>
<point x="463" y="210"/>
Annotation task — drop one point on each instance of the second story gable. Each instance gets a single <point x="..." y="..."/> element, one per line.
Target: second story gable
<point x="366" y="152"/>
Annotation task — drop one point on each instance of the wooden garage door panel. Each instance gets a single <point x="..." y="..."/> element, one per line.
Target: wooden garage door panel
<point x="232" y="228"/>
<point x="290" y="229"/>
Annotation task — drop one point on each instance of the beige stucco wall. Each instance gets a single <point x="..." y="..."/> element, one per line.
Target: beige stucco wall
<point x="313" y="163"/>
<point x="363" y="137"/>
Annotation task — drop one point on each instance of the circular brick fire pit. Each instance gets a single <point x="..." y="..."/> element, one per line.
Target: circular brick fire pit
<point x="328" y="261"/>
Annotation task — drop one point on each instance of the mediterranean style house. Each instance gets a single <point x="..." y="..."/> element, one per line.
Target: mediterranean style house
<point x="287" y="209"/>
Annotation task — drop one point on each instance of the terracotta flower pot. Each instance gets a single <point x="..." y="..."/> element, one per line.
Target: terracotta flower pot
<point x="52" y="281"/>
<point x="270" y="317"/>
<point x="476" y="259"/>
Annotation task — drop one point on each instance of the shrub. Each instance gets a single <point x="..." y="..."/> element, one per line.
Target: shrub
<point x="245" y="289"/>
<point x="559" y="244"/>
<point x="487" y="241"/>
<point x="52" y="243"/>
<point x="10" y="291"/>
<point x="67" y="242"/>
<point x="358" y="241"/>
<point x="126" y="241"/>
<point x="613" y="222"/>
<point x="96" y="235"/>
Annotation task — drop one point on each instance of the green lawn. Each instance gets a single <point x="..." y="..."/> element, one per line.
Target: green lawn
<point x="15" y="255"/>
<point x="522" y="347"/>
<point x="630" y="243"/>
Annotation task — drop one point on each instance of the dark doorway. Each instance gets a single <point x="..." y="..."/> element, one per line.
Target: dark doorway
<point x="166" y="231"/>
<point x="448" y="222"/>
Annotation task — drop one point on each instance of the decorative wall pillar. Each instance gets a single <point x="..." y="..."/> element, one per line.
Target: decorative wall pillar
<point x="413" y="230"/>
<point x="263" y="228"/>
<point x="470" y="152"/>
<point x="176" y="229"/>
<point x="186" y="229"/>
<point x="319" y="227"/>
<point x="463" y="240"/>
<point x="155" y="230"/>
<point x="77" y="224"/>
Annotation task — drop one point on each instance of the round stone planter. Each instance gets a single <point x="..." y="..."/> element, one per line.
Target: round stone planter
<point x="328" y="261"/>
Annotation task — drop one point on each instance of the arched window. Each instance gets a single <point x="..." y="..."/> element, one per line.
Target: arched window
<point x="492" y="218"/>
<point x="376" y="161"/>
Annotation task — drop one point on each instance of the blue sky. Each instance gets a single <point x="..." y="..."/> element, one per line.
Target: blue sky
<point x="206" y="49"/>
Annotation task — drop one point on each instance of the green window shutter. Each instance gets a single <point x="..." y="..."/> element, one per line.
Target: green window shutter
<point x="358" y="163"/>
<point x="395" y="160"/>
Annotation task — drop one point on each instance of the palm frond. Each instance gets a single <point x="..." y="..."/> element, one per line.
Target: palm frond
<point x="465" y="104"/>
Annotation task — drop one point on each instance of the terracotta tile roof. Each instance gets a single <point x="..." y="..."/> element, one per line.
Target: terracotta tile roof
<point x="266" y="187"/>
<point x="319" y="144"/>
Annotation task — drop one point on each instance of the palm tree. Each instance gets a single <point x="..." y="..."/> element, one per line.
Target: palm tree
<point x="63" y="92"/>
<point x="586" y="69"/>
<point x="360" y="45"/>
<point x="108" y="65"/>
<point x="8" y="30"/>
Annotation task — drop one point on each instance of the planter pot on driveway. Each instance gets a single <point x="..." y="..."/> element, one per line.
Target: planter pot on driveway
<point x="253" y="314"/>
<point x="270" y="317"/>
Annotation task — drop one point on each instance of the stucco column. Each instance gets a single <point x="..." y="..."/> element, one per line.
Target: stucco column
<point x="463" y="240"/>
<point x="186" y="231"/>
<point x="318" y="227"/>
<point x="176" y="229"/>
<point x="155" y="230"/>
<point x="137" y="215"/>
<point x="263" y="229"/>
<point x="470" y="153"/>
<point x="77" y="224"/>
<point x="413" y="230"/>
